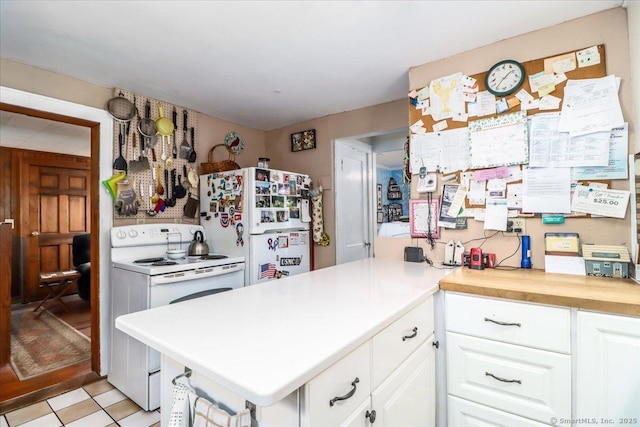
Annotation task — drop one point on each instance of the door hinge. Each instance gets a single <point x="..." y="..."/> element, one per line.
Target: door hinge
<point x="9" y="221"/>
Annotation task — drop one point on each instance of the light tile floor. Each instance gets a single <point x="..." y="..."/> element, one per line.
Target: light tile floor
<point x="95" y="405"/>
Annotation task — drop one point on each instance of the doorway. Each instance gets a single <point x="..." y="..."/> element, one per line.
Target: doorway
<point x="48" y="169"/>
<point x="357" y="212"/>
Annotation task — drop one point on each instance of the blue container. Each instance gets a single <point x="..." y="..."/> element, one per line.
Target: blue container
<point x="526" y="252"/>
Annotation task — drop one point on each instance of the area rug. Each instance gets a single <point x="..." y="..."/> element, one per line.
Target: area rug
<point x="44" y="344"/>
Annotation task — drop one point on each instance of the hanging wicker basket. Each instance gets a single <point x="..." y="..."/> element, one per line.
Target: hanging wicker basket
<point x="225" y="165"/>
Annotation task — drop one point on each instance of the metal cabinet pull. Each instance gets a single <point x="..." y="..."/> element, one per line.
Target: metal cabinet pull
<point x="413" y="335"/>
<point x="371" y="415"/>
<point x="436" y="344"/>
<point x="486" y="319"/>
<point x="348" y="395"/>
<point x="488" y="374"/>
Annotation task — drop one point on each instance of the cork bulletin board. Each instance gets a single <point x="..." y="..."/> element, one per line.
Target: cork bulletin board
<point x="531" y="67"/>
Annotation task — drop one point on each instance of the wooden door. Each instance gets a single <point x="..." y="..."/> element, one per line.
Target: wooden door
<point x="58" y="209"/>
<point x="6" y="234"/>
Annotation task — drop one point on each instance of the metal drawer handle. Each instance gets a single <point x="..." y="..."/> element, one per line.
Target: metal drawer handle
<point x="346" y="396"/>
<point x="488" y="374"/>
<point x="413" y="335"/>
<point x="486" y="319"/>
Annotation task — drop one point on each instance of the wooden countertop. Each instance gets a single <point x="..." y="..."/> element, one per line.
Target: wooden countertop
<point x="620" y="296"/>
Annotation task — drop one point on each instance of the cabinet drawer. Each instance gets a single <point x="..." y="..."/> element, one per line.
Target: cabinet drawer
<point x="537" y="326"/>
<point x="398" y="340"/>
<point x="463" y="413"/>
<point x="525" y="381"/>
<point x="336" y="381"/>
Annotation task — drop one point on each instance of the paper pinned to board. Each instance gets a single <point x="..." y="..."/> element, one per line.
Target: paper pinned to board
<point x="446" y="96"/>
<point x="617" y="167"/>
<point x="499" y="141"/>
<point x="590" y="105"/>
<point x="588" y="57"/>
<point x="561" y="63"/>
<point x="546" y="190"/>
<point x="495" y="216"/>
<point x="600" y="201"/>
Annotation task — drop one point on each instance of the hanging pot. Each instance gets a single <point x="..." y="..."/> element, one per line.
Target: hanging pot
<point x="198" y="246"/>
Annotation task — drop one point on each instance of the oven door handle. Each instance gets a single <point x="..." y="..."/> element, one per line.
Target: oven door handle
<point x="200" y="273"/>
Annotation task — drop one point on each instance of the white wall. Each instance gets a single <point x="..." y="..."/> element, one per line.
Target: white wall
<point x="633" y="17"/>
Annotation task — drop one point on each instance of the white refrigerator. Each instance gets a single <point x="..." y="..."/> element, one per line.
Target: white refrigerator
<point x="261" y="214"/>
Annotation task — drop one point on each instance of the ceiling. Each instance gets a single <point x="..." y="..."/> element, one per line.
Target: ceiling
<point x="264" y="64"/>
<point x="33" y="133"/>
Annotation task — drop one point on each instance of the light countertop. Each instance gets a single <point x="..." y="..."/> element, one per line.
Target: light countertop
<point x="621" y="296"/>
<point x="262" y="342"/>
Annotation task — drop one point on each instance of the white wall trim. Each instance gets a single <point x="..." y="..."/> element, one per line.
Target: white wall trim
<point x="52" y="105"/>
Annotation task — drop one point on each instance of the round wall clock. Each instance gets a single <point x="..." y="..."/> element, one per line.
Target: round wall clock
<point x="504" y="77"/>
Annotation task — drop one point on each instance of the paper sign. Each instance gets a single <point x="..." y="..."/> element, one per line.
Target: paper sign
<point x="458" y="201"/>
<point x="417" y="127"/>
<point x="423" y="93"/>
<point x="487" y="174"/>
<point x="560" y="64"/>
<point x="539" y="80"/>
<point x="437" y="127"/>
<point x="495" y="216"/>
<point x="549" y="102"/>
<point x="587" y="57"/>
<point x="513" y="102"/>
<point x="485" y="104"/>
<point x="524" y="96"/>
<point x="530" y="105"/>
<point x="612" y="203"/>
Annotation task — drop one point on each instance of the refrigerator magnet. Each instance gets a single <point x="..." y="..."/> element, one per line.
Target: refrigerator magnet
<point x="224" y="220"/>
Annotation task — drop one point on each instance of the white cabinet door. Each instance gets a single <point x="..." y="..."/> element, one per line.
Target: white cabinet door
<point x="359" y="417"/>
<point x="407" y="396"/>
<point x="608" y="381"/>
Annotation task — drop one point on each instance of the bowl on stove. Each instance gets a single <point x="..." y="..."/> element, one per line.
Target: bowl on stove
<point x="176" y="253"/>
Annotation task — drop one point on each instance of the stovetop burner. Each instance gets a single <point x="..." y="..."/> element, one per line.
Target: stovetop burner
<point x="163" y="262"/>
<point x="214" y="257"/>
<point x="148" y="260"/>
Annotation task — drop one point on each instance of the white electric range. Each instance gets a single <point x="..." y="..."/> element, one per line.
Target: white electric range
<point x="143" y="278"/>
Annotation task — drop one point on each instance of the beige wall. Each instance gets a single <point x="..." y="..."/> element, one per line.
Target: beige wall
<point x="318" y="163"/>
<point x="274" y="144"/>
<point x="211" y="130"/>
<point x="608" y="28"/>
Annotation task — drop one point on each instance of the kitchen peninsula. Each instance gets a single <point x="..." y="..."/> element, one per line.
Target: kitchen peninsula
<point x="320" y="348"/>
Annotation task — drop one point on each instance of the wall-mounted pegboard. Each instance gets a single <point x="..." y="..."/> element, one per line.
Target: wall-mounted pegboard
<point x="145" y="177"/>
